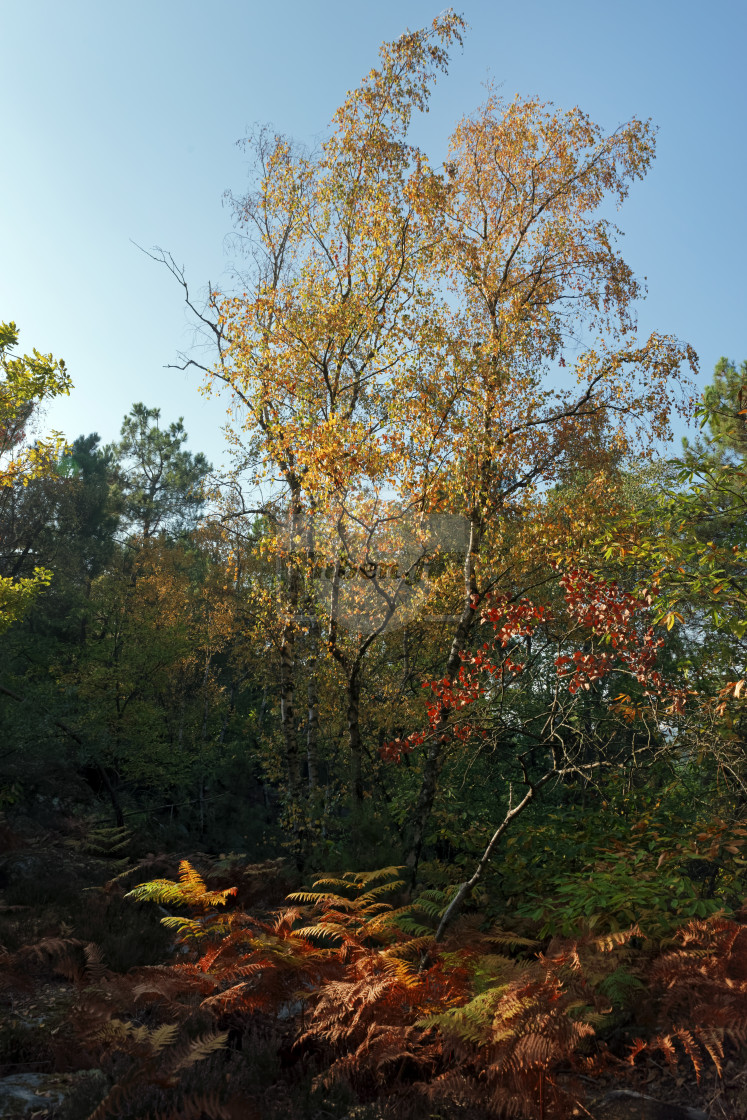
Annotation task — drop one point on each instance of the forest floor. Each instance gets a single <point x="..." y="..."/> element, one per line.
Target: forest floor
<point x="53" y="896"/>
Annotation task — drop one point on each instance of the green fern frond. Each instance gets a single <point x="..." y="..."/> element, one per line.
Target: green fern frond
<point x="407" y="924"/>
<point x="432" y="910"/>
<point x="383" y="926"/>
<point x="491" y="969"/>
<point x="362" y="881"/>
<point x="163" y="891"/>
<point x="433" y="903"/>
<point x="620" y="987"/>
<point x="107" y="842"/>
<point x="437" y="895"/>
<point x="473" y="1021"/>
<point x="217" y="898"/>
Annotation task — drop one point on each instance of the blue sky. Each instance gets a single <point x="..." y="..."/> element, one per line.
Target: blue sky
<point x="120" y="124"/>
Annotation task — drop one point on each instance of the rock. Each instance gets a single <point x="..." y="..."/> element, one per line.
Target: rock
<point x="44" y="871"/>
<point x="26" y="1093"/>
<point x="624" y="1104"/>
<point x="42" y="1095"/>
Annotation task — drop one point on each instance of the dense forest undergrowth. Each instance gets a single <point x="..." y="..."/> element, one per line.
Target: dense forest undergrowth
<point x="258" y="997"/>
<point x="399" y="771"/>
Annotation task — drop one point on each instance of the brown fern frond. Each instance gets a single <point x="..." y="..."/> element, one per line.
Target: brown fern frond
<point x="510" y="940"/>
<point x="311" y="897"/>
<point x="568" y="958"/>
<point x="369" y="909"/>
<point x="692" y="1049"/>
<point x="360" y="880"/>
<point x="713" y="1044"/>
<point x="210" y="1105"/>
<point x="322" y="930"/>
<point x="530" y="1051"/>
<point x="161" y="1037"/>
<point x="160" y="990"/>
<point x="334" y="884"/>
<point x="703" y="985"/>
<point x="374" y="893"/>
<point x="49" y="949"/>
<point x="199" y="1049"/>
<point x="454" y="1084"/>
<point x="95" y="969"/>
<point x="385" y="921"/>
<point x="409" y="950"/>
<point x="241" y="998"/>
<point x="230" y="938"/>
<point x="363" y="878"/>
<point x="239" y="973"/>
<point x="112" y="1103"/>
<point x="285" y="920"/>
<point x="666" y="1045"/>
<point x="136" y="1040"/>
<point x="638" y="1046"/>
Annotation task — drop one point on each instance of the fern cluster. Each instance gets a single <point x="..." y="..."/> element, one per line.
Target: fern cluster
<point x="373" y="1001"/>
<point x="353" y="991"/>
<point x="701" y="994"/>
<point x="155" y="1057"/>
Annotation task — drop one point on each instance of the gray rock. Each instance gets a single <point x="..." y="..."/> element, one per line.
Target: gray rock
<point x="23" y="1095"/>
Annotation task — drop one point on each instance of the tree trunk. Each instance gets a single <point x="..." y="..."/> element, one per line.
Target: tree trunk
<point x="312" y="736"/>
<point x="288" y="656"/>
<point x="464" y="890"/>
<point x="356" y="746"/>
<point x="287" y="709"/>
<point x="118" y="814"/>
<point x="434" y="753"/>
<point x="312" y="724"/>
